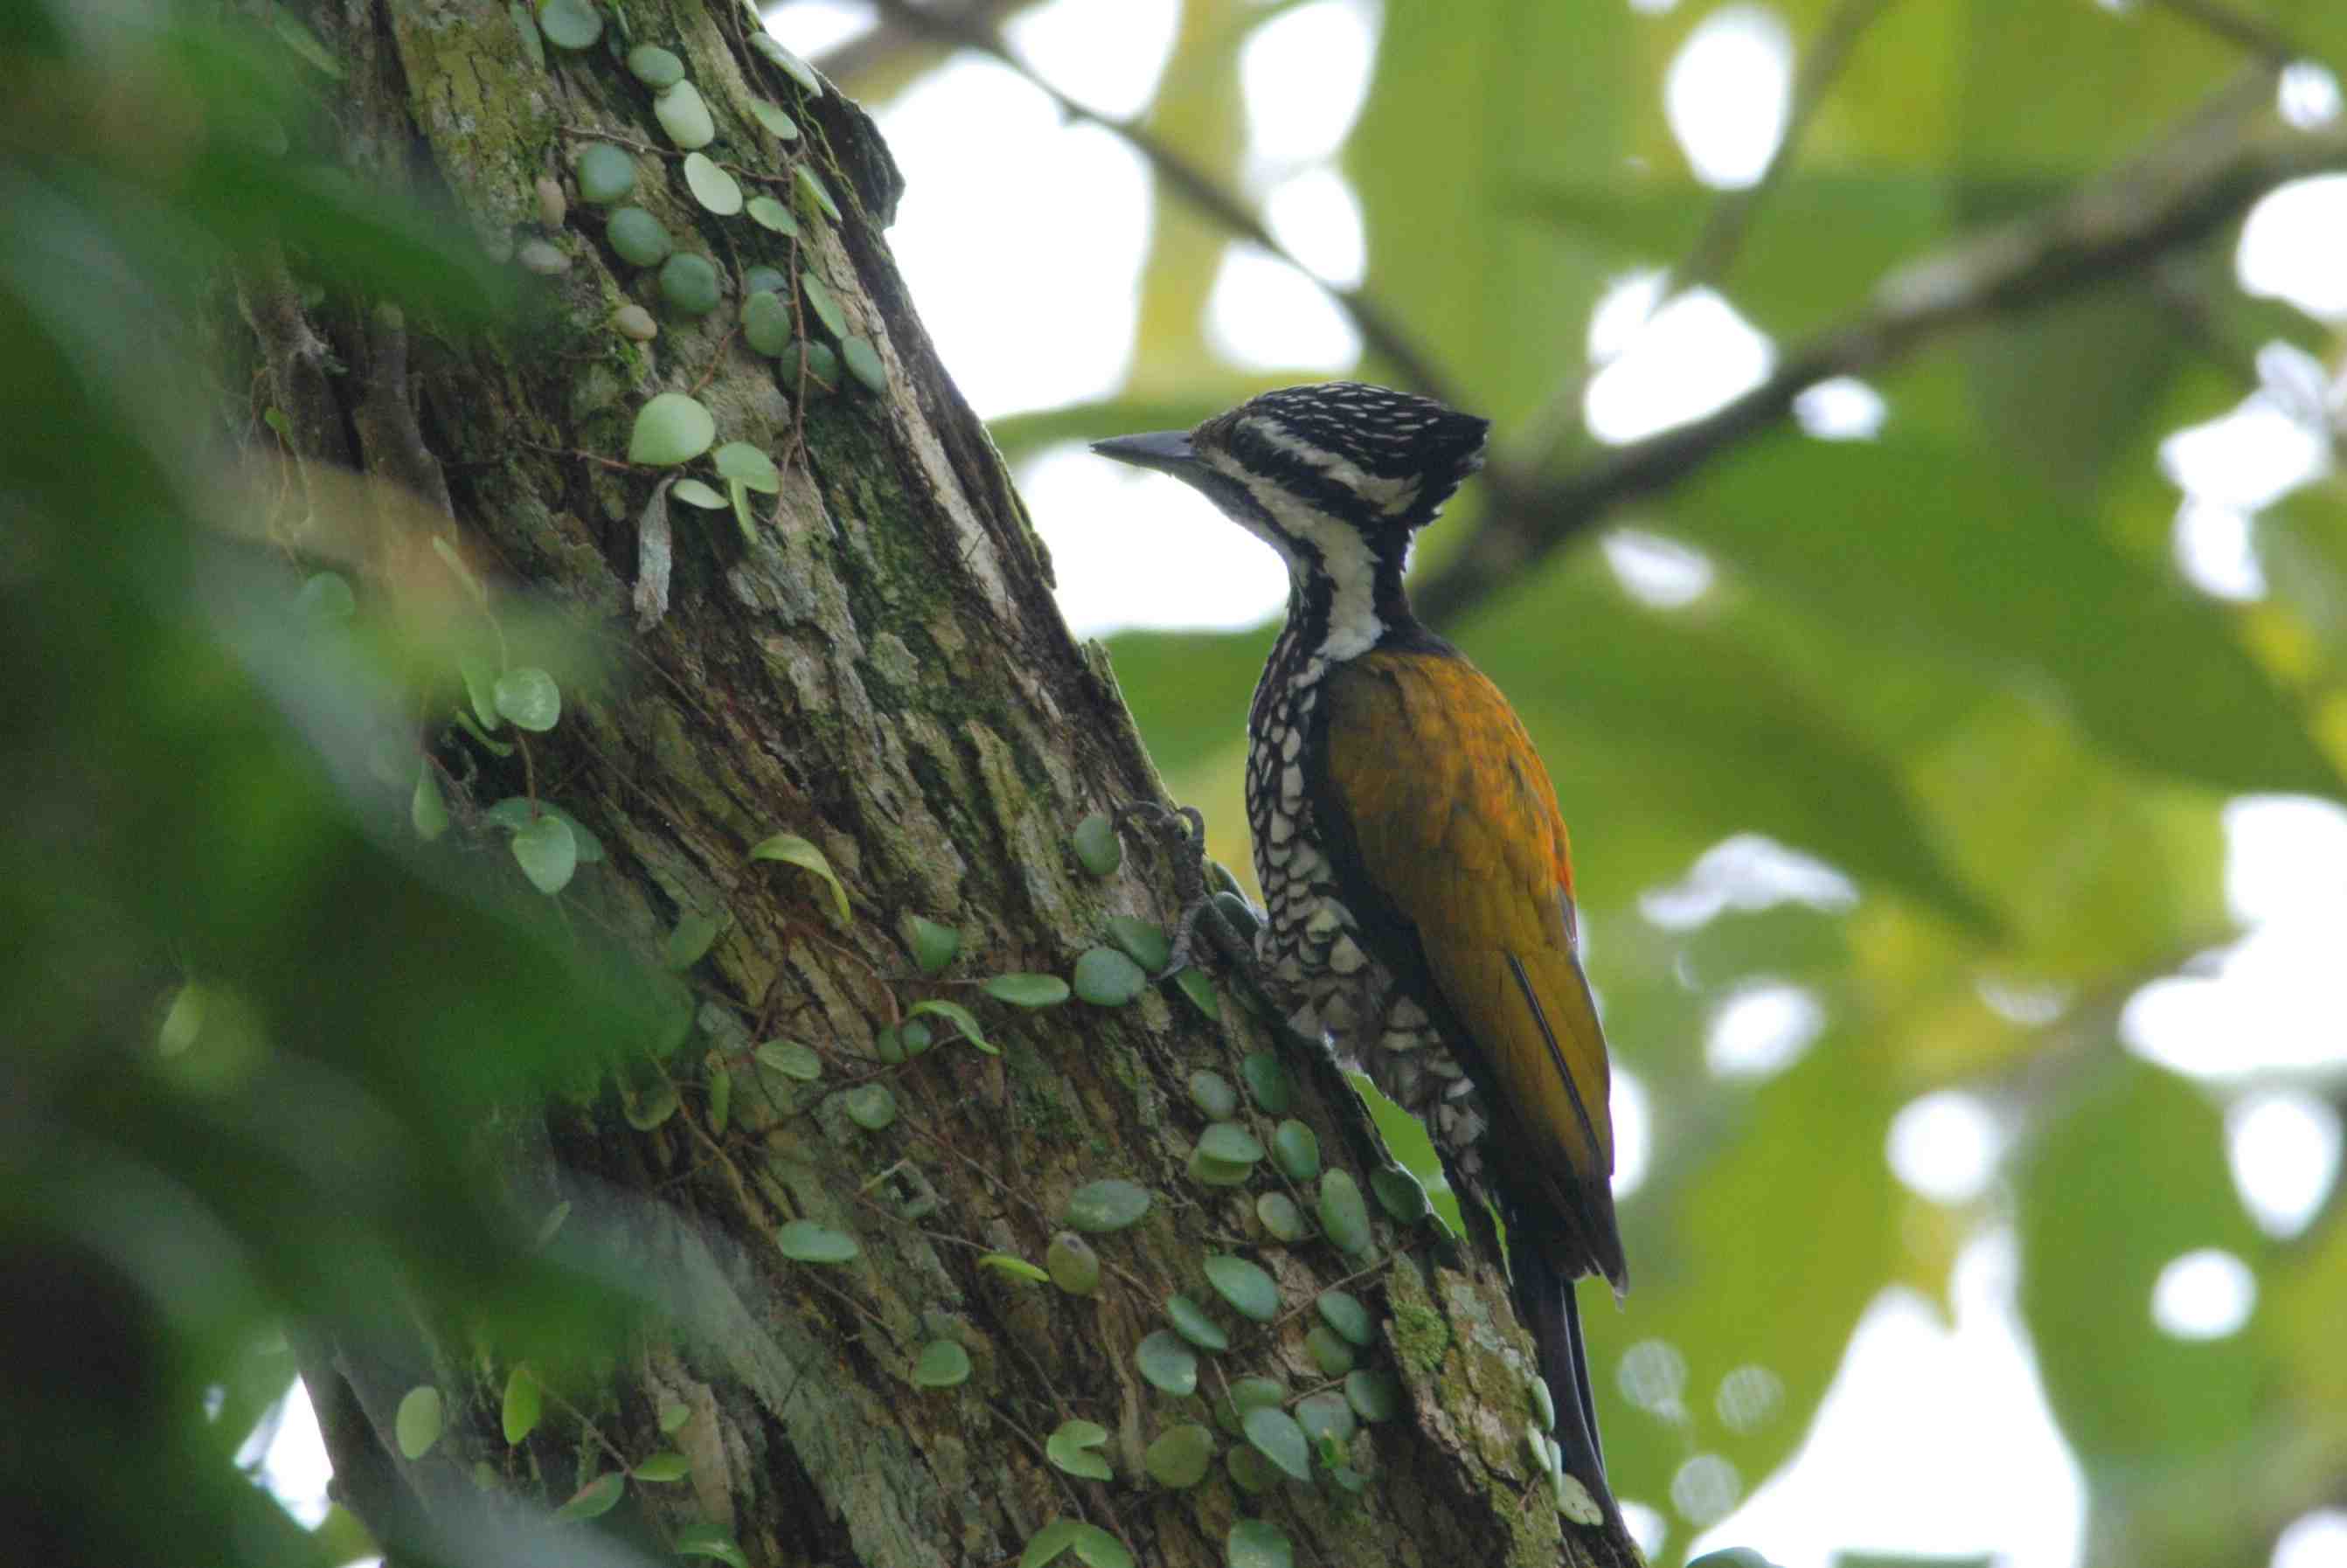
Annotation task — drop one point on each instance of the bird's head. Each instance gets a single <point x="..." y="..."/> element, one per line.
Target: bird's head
<point x="1332" y="476"/>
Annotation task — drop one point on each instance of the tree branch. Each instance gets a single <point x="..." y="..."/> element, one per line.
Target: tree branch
<point x="1384" y="336"/>
<point x="2202" y="179"/>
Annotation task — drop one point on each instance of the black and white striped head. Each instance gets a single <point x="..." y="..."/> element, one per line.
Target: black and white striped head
<point x="1334" y="476"/>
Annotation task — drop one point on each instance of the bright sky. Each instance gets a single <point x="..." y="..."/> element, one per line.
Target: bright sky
<point x="2255" y="1023"/>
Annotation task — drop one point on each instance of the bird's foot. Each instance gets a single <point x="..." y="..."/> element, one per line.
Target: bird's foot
<point x="1211" y="905"/>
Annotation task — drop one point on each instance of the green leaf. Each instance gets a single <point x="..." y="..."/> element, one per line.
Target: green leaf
<point x="1168" y="1363"/>
<point x="1343" y="1215"/>
<point x="1015" y="1266"/>
<point x="1109" y="1204"/>
<point x="766" y="323"/>
<point x="684" y="115"/>
<point x="748" y="466"/>
<point x="673" y="1415"/>
<point x="769" y="213"/>
<point x="1343" y="1311"/>
<point x="1074" y="1266"/>
<point x="1143" y="941"/>
<point x="596" y="1498"/>
<point x="1229" y="1141"/>
<point x="1250" y="1290"/>
<point x="1399" y="1193"/>
<point x="711" y="186"/>
<point x="1329" y="1352"/>
<point x="708" y="1541"/>
<point x="1200" y="991"/>
<point x="325" y="599"/>
<point x="1098" y="848"/>
<point x="1071" y="1446"/>
<point x="670" y="429"/>
<point x="812" y="192"/>
<point x="1028" y="990"/>
<point x="1374" y="1396"/>
<point x="871" y="1106"/>
<point x="1211" y="1093"/>
<point x="517" y="811"/>
<point x="1048" y="1544"/>
<point x="689" y="286"/>
<point x="1272" y="1433"/>
<point x="737" y="496"/>
<point x="1296" y="1150"/>
<point x="1106" y="977"/>
<point x="804" y="1241"/>
<point x="942" y="1364"/>
<point x="822" y="303"/>
<point x="790" y="1059"/>
<point x="425" y="808"/>
<point x="1180" y="1457"/>
<point x="863" y="361"/>
<point x="656" y="67"/>
<point x="694" y="493"/>
<point x="296" y="36"/>
<point x="417" y="1425"/>
<point x="570" y="24"/>
<point x="662" y="1467"/>
<point x="1413" y="1151"/>
<point x="934" y="946"/>
<point x="524" y="1403"/>
<point x="793" y="850"/>
<point x="528" y="697"/>
<point x="960" y="1017"/>
<point x="1257" y="1543"/>
<point x="1268" y="1082"/>
<point x="653" y="1107"/>
<point x="481" y="688"/>
<point x="1282" y="1217"/>
<point x="721" y="1094"/>
<point x="548" y="854"/>
<point x="1190" y="1320"/>
<point x="691" y="939"/>
<point x="782" y="127"/>
<point x="799" y="71"/>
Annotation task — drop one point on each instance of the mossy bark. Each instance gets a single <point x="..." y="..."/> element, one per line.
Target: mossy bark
<point x="877" y="667"/>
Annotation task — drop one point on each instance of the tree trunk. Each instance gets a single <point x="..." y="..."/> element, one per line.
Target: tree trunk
<point x="876" y="666"/>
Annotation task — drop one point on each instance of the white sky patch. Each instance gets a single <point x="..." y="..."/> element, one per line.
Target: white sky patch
<point x="1303" y="75"/>
<point x="1945" y="1145"/>
<point x="1657" y="571"/>
<point x="2316" y="1540"/>
<point x="1106" y="58"/>
<point x="1263" y="315"/>
<point x="2285" y="859"/>
<point x="1648" y="1527"/>
<point x="1633" y="1131"/>
<point x="1121" y="536"/>
<point x="1841" y="408"/>
<point x="2291" y="246"/>
<point x="1727" y="92"/>
<point x="2204" y="1295"/>
<point x="2283" y="1146"/>
<point x="1688" y="358"/>
<point x="991" y="306"/>
<point x="292" y="1454"/>
<point x="1315" y="215"/>
<point x="1622" y="312"/>
<point x="2246" y="459"/>
<point x="2216" y="549"/>
<point x="1762" y="1028"/>
<point x="1871" y="1477"/>
<point x="1748" y="872"/>
<point x="2032" y="1007"/>
<point x="813" y="27"/>
<point x="2307" y="96"/>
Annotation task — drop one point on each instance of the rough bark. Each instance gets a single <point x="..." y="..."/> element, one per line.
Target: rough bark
<point x="879" y="668"/>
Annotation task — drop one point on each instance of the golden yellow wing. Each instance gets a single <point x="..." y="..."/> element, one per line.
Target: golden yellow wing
<point x="1454" y="826"/>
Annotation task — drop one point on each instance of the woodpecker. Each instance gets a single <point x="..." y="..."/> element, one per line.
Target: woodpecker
<point x="1413" y="862"/>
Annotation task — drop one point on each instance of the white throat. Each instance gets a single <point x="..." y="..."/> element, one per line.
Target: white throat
<point x="1345" y="557"/>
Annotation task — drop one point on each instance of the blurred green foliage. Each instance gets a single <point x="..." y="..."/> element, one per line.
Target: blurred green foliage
<point x="1956" y="662"/>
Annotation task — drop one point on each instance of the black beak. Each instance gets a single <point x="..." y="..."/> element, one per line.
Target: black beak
<point x="1167" y="451"/>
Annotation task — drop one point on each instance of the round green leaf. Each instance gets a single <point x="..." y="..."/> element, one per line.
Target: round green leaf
<point x="820" y="374"/>
<point x="1374" y="1396"/>
<point x="662" y="1467"/>
<point x="1543" y="1403"/>
<point x="1343" y="1215"/>
<point x="1028" y="990"/>
<point x="651" y="1107"/>
<point x="1099" y="1208"/>
<point x="1168" y="1363"/>
<point x="772" y="117"/>
<point x="888" y="1045"/>
<point x="1049" y="1544"/>
<point x="1343" y="1312"/>
<point x="543" y="257"/>
<point x="1231" y="1144"/>
<point x="934" y="946"/>
<point x="1208" y="1172"/>
<point x="916" y="1038"/>
<point x="1070" y="1447"/>
<point x="689" y="286"/>
<point x="606" y="174"/>
<point x="1328" y="1350"/>
<point x="326" y="597"/>
<point x="769" y="213"/>
<point x="1144" y="940"/>
<point x="790" y="1059"/>
<point x="570" y="24"/>
<point x="1248" y="1394"/>
<point x="670" y="429"/>
<point x="547" y="852"/>
<point x="1179" y="1458"/>
<point x="1106" y="977"/>
<point x="1269" y="1081"/>
<point x="635" y="323"/>
<point x="640" y="239"/>
<point x="863" y="361"/>
<point x="1073" y="1264"/>
<point x="711" y="186"/>
<point x="942" y="1364"/>
<point x="654" y="67"/>
<point x="694" y="493"/>
<point x="804" y="1241"/>
<point x="1400" y="1195"/>
<point x="1282" y="1217"/>
<point x="871" y="1106"/>
<point x="673" y="1415"/>
<point x="1190" y="1320"/>
<point x="1257" y="1543"/>
<point x="1296" y="1151"/>
<point x="814" y="193"/>
<point x="1211" y="1093"/>
<point x="1096" y="1548"/>
<point x="1098" y="848"/>
<point x="961" y="1018"/>
<point x="766" y="324"/>
<point x="763" y="280"/>
<point x="595" y="1498"/>
<point x="418" y="1423"/>
<point x="690" y="939"/>
<point x="685" y="117"/>
<point x="798" y="70"/>
<point x="1200" y="991"/>
<point x="1251" y="1292"/>
<point x="1017" y="1267"/>
<point x="528" y="697"/>
<point x="823" y="303"/>
<point x="745" y="464"/>
<point x="1250" y="1471"/>
<point x="1272" y="1433"/>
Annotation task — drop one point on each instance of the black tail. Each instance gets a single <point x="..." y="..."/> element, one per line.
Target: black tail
<point x="1548" y="1296"/>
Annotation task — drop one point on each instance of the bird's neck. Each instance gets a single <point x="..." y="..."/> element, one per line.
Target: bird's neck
<point x="1341" y="607"/>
